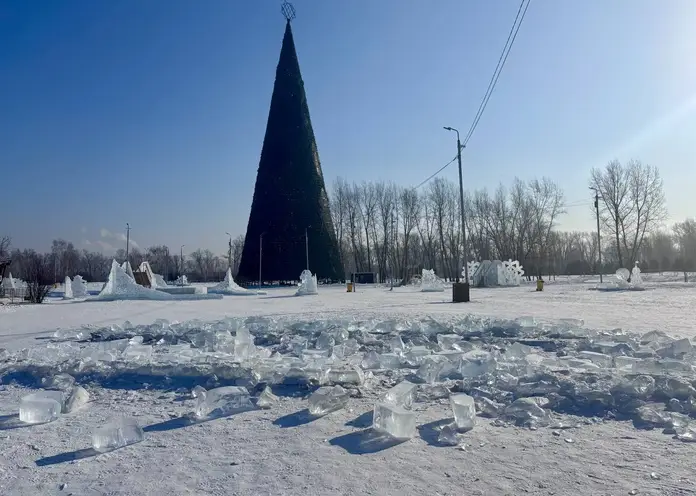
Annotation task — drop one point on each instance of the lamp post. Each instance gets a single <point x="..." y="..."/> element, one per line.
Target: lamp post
<point x="260" y="257"/>
<point x="181" y="257"/>
<point x="127" y="239"/>
<point x="599" y="236"/>
<point x="229" y="251"/>
<point x="460" y="291"/>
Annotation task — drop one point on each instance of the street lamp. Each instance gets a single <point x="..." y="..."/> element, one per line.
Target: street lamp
<point x="460" y="291"/>
<point x="181" y="255"/>
<point x="599" y="237"/>
<point x="229" y="251"/>
<point x="306" y="237"/>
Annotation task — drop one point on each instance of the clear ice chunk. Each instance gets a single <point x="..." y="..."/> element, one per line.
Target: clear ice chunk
<point x="61" y="382"/>
<point x="78" y="398"/>
<point x="198" y="392"/>
<point x="38" y="408"/>
<point x="403" y="395"/>
<point x="464" y="411"/>
<point x="354" y="376"/>
<point x="328" y="399"/>
<point x="243" y="343"/>
<point x="526" y="411"/>
<point x="138" y="352"/>
<point x="325" y="341"/>
<point x="518" y="351"/>
<point x="432" y="368"/>
<point x="371" y="360"/>
<point x="223" y="401"/>
<point x="394" y="420"/>
<point x="117" y="433"/>
<point x="266" y="399"/>
<point x="448" y="435"/>
<point x="599" y="359"/>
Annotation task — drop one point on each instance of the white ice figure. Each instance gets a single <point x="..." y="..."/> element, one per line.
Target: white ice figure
<point x="430" y="283"/>
<point x="79" y="287"/>
<point x="636" y="278"/>
<point x="513" y="272"/>
<point x="181" y="281"/>
<point x="473" y="267"/>
<point x="622" y="276"/>
<point x="128" y="269"/>
<point x="308" y="284"/>
<point x="121" y="287"/>
<point x="68" y="295"/>
<point x="229" y="287"/>
<point x="9" y="282"/>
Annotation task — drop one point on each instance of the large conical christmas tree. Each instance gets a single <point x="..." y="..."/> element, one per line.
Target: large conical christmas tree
<point x="290" y="205"/>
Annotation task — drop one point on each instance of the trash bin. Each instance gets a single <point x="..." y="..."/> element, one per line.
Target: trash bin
<point x="540" y="284"/>
<point x="349" y="287"/>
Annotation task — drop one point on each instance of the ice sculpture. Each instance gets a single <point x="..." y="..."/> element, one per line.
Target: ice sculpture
<point x="79" y="287"/>
<point x="430" y="282"/>
<point x="495" y="273"/>
<point x="229" y="287"/>
<point x="181" y="281"/>
<point x="636" y="278"/>
<point x="121" y="287"/>
<point x="308" y="284"/>
<point x="156" y="280"/>
<point x="68" y="295"/>
<point x="513" y="272"/>
<point x="9" y="282"/>
<point x="473" y="267"/>
<point x="622" y="275"/>
<point x="128" y="269"/>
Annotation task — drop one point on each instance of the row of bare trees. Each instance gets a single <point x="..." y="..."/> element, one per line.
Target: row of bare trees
<point x="65" y="260"/>
<point x="396" y="231"/>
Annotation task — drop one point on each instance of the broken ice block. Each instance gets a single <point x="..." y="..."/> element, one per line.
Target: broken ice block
<point x="464" y="411"/>
<point x="328" y="399"/>
<point x="371" y="360"/>
<point x="116" y="434"/>
<point x="600" y="359"/>
<point x="518" y="351"/>
<point x="526" y="411"/>
<point x="346" y="376"/>
<point x="198" y="392"/>
<point x="402" y="395"/>
<point x="266" y="399"/>
<point x="243" y="343"/>
<point x="325" y="341"/>
<point x="389" y="361"/>
<point x="138" y="352"/>
<point x="223" y="401"/>
<point x="449" y="435"/>
<point x="37" y="408"/>
<point x="61" y="382"/>
<point x="676" y="349"/>
<point x="432" y="368"/>
<point x="394" y="421"/>
<point x="79" y="397"/>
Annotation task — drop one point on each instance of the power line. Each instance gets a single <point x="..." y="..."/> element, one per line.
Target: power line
<point x="491" y="85"/>
<point x="499" y="67"/>
<point x="436" y="173"/>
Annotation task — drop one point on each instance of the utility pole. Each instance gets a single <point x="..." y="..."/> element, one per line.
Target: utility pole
<point x="599" y="236"/>
<point x="229" y="252"/>
<point x="391" y="263"/>
<point x="260" y="257"/>
<point x="306" y="237"/>
<point x="465" y="296"/>
<point x="181" y="272"/>
<point x="127" y="239"/>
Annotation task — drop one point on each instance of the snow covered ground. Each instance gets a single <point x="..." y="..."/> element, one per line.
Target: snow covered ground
<point x="281" y="451"/>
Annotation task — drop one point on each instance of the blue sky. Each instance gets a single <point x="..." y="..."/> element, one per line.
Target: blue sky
<point x="153" y="112"/>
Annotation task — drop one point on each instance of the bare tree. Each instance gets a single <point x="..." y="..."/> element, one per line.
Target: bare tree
<point x="409" y="207"/>
<point x="5" y="244"/>
<point x="38" y="275"/>
<point x="685" y="233"/>
<point x="632" y="204"/>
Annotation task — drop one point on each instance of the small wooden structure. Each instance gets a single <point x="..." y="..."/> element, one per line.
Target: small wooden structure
<point x="142" y="278"/>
